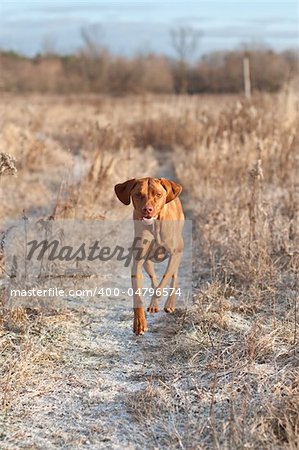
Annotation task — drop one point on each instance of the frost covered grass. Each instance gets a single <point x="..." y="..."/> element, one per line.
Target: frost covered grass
<point x="220" y="374"/>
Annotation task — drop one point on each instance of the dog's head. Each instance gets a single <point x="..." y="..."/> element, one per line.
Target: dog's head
<point x="149" y="195"/>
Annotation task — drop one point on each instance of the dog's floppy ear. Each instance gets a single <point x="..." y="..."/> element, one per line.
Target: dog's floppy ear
<point x="173" y="189"/>
<point x="123" y="191"/>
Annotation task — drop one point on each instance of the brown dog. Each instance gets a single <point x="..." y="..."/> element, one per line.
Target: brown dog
<point x="158" y="222"/>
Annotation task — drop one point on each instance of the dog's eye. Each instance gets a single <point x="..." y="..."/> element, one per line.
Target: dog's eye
<point x="158" y="194"/>
<point x="139" y="195"/>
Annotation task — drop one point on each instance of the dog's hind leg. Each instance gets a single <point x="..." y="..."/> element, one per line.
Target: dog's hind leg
<point x="169" y="275"/>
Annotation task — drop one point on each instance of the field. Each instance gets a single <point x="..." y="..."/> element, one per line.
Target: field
<point x="221" y="372"/>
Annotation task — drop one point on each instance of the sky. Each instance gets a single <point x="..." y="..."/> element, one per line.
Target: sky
<point x="130" y="27"/>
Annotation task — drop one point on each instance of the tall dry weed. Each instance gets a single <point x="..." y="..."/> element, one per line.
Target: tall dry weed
<point x="7" y="164"/>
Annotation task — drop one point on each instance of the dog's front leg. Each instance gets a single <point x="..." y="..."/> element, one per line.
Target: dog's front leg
<point x="139" y="324"/>
<point x="143" y="239"/>
<point x="150" y="270"/>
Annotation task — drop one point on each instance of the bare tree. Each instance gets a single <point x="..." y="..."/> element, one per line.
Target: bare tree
<point x="92" y="36"/>
<point x="95" y="56"/>
<point x="48" y="45"/>
<point x="184" y="41"/>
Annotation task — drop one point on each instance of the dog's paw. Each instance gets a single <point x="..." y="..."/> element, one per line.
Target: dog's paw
<point x="139" y="324"/>
<point x="153" y="307"/>
<point x="169" y="307"/>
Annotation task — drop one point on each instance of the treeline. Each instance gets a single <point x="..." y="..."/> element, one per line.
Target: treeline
<point x="101" y="72"/>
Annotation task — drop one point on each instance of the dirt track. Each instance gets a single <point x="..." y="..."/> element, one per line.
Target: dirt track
<point x="84" y="400"/>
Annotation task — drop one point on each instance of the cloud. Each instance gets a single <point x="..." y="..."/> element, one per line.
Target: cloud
<point x="130" y="26"/>
<point x="272" y="20"/>
<point x="23" y="8"/>
<point x="251" y="31"/>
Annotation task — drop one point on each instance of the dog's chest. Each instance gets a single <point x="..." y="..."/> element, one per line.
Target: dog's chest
<point x="162" y="238"/>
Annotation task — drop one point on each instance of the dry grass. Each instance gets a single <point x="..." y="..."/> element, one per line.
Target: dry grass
<point x="168" y="134"/>
<point x="224" y="373"/>
<point x="235" y="355"/>
<point x="7" y="164"/>
<point x="29" y="342"/>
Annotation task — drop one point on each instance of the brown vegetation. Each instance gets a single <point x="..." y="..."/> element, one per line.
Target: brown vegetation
<point x="99" y="72"/>
<point x="224" y="371"/>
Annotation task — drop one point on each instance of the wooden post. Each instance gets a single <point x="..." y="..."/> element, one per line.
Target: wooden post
<point x="246" y="73"/>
